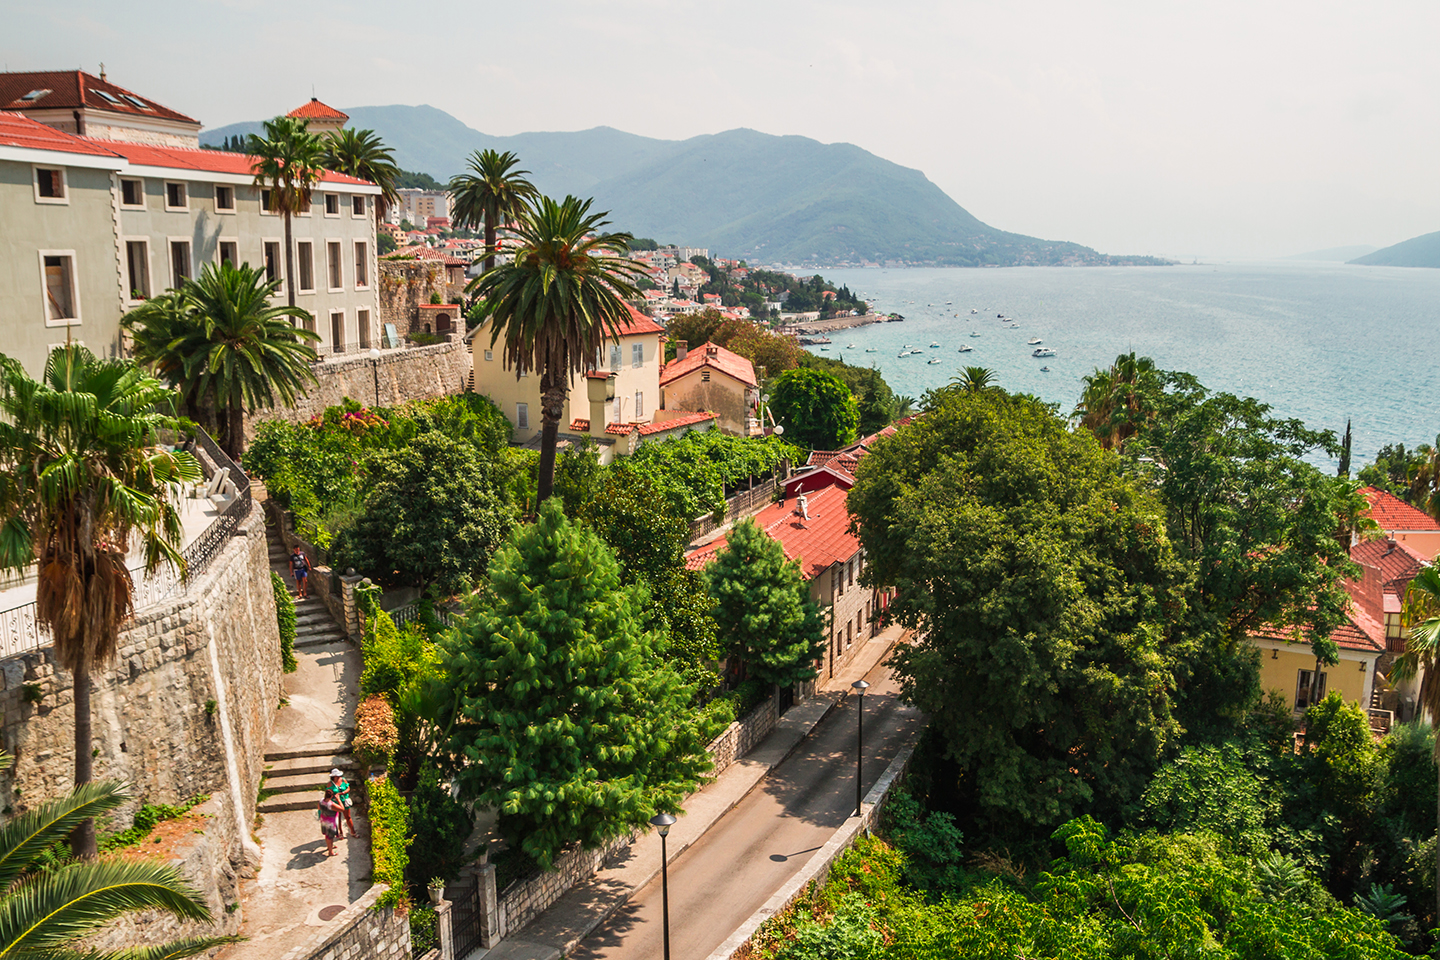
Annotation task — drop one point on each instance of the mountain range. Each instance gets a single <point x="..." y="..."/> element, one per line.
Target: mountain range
<point x="741" y="193"/>
<point x="1423" y="251"/>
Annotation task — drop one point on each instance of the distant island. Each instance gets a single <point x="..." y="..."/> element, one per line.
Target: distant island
<point x="1421" y="251"/>
<point x="741" y="193"/>
<point x="1335" y="254"/>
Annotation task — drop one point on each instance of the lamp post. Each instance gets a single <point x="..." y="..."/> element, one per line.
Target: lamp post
<point x="859" y="686"/>
<point x="662" y="822"/>
<point x="375" y="369"/>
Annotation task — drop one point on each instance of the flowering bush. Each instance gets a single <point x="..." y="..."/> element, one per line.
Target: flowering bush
<point x="376" y="735"/>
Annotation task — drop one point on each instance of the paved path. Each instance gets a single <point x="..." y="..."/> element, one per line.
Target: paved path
<point x="826" y="762"/>
<point x="298" y="889"/>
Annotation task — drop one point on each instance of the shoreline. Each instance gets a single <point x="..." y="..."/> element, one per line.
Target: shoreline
<point x="811" y="327"/>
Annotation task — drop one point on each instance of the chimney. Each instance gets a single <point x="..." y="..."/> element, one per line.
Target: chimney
<point x="681" y="349"/>
<point x="711" y="350"/>
<point x="1389" y="546"/>
<point x="802" y="506"/>
<point x="600" y="389"/>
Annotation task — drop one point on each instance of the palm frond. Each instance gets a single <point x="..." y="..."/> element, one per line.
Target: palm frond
<point x="29" y="835"/>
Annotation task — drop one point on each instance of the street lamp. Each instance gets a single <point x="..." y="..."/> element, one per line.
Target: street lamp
<point x="663" y="822"/>
<point x="375" y="369"/>
<point x="859" y="686"/>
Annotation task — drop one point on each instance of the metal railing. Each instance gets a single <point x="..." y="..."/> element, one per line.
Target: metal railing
<point x="20" y="630"/>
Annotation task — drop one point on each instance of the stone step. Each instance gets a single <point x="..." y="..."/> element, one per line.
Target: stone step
<point x="319" y="616"/>
<point x="284" y="802"/>
<point x="297" y="783"/>
<point x="324" y="748"/>
<point x="330" y="640"/>
<point x="297" y="766"/>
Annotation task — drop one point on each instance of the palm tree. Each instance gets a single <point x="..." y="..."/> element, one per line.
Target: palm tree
<point x="555" y="304"/>
<point x="81" y="469"/>
<point x="288" y="161"/>
<point x="361" y="153"/>
<point x="1113" y="405"/>
<point x="45" y="910"/>
<point x="975" y="379"/>
<point x="492" y="193"/>
<point x="155" y="329"/>
<point x="1420" y="615"/>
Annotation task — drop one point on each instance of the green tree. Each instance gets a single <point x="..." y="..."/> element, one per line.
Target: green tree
<point x="362" y="154"/>
<point x="441" y="826"/>
<point x="219" y="340"/>
<point x="1042" y="588"/>
<point x="1345" y="763"/>
<point x="1117" y="402"/>
<point x="82" y="469"/>
<point x="1393" y="467"/>
<point x="47" y="911"/>
<point x="491" y="193"/>
<point x="1420" y="615"/>
<point x="288" y="161"/>
<point x="564" y="716"/>
<point x="819" y="412"/>
<point x="557" y="302"/>
<point x="433" y="515"/>
<point x="975" y="379"/>
<point x="764" y="611"/>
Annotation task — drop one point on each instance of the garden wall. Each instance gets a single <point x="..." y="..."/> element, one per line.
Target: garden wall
<point x="363" y="932"/>
<point x="411" y="373"/>
<point x="406" y="286"/>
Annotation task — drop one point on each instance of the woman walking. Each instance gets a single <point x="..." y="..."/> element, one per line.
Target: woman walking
<point x="341" y="787"/>
<point x="330" y="820"/>
<point x="300" y="568"/>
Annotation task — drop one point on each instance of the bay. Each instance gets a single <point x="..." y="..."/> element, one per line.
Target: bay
<point x="1318" y="342"/>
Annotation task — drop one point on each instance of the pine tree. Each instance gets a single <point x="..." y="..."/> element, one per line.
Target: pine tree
<point x="763" y="608"/>
<point x="565" y="718"/>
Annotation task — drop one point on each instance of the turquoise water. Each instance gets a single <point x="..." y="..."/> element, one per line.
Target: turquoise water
<point x="1318" y="342"/>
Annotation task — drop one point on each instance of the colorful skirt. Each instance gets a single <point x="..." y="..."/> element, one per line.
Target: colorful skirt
<point x="330" y="824"/>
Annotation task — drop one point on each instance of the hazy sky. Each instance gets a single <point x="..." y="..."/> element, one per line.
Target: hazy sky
<point x="1219" y="129"/>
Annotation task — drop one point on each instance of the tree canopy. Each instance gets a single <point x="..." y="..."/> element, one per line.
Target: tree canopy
<point x="817" y="410"/>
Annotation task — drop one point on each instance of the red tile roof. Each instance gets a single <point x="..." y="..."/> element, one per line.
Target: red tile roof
<point x="716" y="358"/>
<point x="687" y="420"/>
<point x="208" y="161"/>
<point x="820" y="542"/>
<point x="1396" y="562"/>
<point x="1361" y="633"/>
<point x="20" y="131"/>
<point x="315" y="110"/>
<point x="1392" y="513"/>
<point x="426" y="253"/>
<point x="639" y="324"/>
<point x="580" y="425"/>
<point x="74" y="89"/>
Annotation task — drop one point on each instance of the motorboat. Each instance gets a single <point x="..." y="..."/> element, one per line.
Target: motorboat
<point x="917" y="351"/>
<point x="934" y="359"/>
<point x="1034" y="341"/>
<point x="1044" y="369"/>
<point x="871" y="350"/>
<point x="853" y="346"/>
<point x="973" y="310"/>
<point x="1043" y="352"/>
<point x="934" y="344"/>
<point x="966" y="348"/>
<point x="974" y="333"/>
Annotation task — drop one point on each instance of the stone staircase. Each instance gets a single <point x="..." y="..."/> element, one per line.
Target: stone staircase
<point x="314" y="626"/>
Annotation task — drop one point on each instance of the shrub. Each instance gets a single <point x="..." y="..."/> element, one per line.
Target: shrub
<point x="389" y="839"/>
<point x="442" y="825"/>
<point x="285" y="615"/>
<point x="423" y="935"/>
<point x="375" y="733"/>
<point x="145" y="820"/>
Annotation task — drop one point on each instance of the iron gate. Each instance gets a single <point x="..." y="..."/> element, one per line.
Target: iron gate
<point x="465" y="918"/>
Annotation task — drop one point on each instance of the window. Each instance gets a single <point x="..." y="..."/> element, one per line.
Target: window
<point x="618" y="414"/>
<point x="639" y="404"/>
<point x="615" y="356"/>
<point x="850" y="572"/>
<point x="704" y="376"/>
<point x="489" y="355"/>
<point x="1303" y="693"/>
<point x="362" y="320"/>
<point x="137" y="269"/>
<point x="332" y="261"/>
<point x="362" y="264"/>
<point x="132" y="193"/>
<point x="332" y="204"/>
<point x="637" y="355"/>
<point x="357" y="206"/>
<point x="180" y="270"/>
<point x="225" y="199"/>
<point x="304" y="209"/>
<point x="230" y="252"/>
<point x="62" y="299"/>
<point x="849" y="634"/>
<point x="522" y="416"/>
<point x="50" y="185"/>
<point x="274" y="262"/>
<point x="265" y="207"/>
<point x="305" y="266"/>
<point x="176" y="196"/>
<point x="337" y="330"/>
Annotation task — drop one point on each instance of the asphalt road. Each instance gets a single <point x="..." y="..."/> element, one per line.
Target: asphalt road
<point x="764" y="841"/>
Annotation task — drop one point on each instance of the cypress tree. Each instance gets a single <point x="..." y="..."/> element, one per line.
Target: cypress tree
<point x="563" y="715"/>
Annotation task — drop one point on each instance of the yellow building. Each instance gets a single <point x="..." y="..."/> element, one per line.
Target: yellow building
<point x="713" y="378"/>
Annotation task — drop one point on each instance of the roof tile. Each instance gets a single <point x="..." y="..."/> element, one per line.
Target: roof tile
<point x="820" y="542"/>
<point x="1392" y="513"/>
<point x="717" y="358"/>
<point x="73" y="89"/>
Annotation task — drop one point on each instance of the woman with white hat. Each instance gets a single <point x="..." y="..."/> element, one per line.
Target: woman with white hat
<point x="341" y="788"/>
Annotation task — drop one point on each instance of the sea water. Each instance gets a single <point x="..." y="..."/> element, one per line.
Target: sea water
<point x="1322" y="343"/>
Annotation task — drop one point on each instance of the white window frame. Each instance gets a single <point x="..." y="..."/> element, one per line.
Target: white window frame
<point x="132" y="206"/>
<point x="364" y="207"/>
<point x="489" y="355"/>
<point x="338" y="266"/>
<point x="362" y="261"/>
<point x="149" y="267"/>
<point x="185" y="188"/>
<point x="265" y="210"/>
<point x="64" y="198"/>
<point x="615" y="358"/>
<point x="337" y="312"/>
<point x="325" y="205"/>
<point x="364" y="335"/>
<point x="300" y="267"/>
<point x="233" y="202"/>
<point x="637" y="355"/>
<point x="308" y="207"/>
<point x="170" y="257"/>
<point x="279" y="263"/>
<point x="522" y="416"/>
<point x="639" y="405"/>
<point x="223" y="240"/>
<point x="74" y="289"/>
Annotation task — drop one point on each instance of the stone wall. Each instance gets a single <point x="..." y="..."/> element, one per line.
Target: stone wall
<point x="403" y="374"/>
<point x="186" y="709"/>
<point x="406" y="285"/>
<point x="364" y="932"/>
<point x="741" y="736"/>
